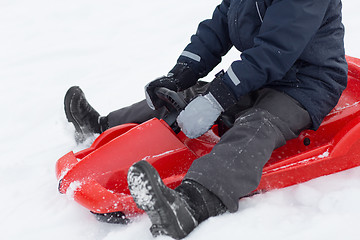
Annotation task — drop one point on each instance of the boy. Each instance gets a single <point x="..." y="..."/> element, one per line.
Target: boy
<point x="291" y="73"/>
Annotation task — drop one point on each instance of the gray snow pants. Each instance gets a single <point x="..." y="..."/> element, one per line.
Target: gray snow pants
<point x="265" y="120"/>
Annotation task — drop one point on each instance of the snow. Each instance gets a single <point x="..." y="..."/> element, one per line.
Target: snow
<point x="140" y="189"/>
<point x="73" y="187"/>
<point x="112" y="49"/>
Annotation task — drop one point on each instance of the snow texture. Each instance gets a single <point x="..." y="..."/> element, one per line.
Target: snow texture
<point x="140" y="189"/>
<point x="73" y="187"/>
<point x="199" y="115"/>
<point x="112" y="49"/>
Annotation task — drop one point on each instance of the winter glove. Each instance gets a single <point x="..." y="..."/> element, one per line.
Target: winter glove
<point x="178" y="79"/>
<point x="201" y="113"/>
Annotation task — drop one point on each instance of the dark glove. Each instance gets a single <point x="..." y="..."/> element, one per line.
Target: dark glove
<point x="178" y="79"/>
<point x="201" y="113"/>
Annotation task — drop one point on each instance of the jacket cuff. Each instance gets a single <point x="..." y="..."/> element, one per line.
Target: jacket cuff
<point x="222" y="93"/>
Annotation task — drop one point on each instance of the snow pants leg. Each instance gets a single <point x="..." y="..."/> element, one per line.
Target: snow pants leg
<point x="137" y="113"/>
<point x="233" y="168"/>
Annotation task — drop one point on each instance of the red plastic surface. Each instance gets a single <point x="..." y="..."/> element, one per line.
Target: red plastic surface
<point x="96" y="177"/>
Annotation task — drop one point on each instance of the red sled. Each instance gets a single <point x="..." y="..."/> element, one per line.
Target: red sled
<point x="96" y="177"/>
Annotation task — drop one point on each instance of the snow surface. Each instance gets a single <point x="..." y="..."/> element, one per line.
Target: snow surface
<point x="112" y="49"/>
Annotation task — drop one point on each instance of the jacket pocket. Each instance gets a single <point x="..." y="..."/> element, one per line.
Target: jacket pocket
<point x="290" y="79"/>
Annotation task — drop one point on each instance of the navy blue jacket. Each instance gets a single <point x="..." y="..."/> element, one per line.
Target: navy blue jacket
<point x="294" y="46"/>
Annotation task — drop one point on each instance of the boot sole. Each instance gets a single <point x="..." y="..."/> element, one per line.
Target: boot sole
<point x="148" y="192"/>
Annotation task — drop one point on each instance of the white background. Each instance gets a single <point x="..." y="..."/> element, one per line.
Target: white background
<point x="112" y="49"/>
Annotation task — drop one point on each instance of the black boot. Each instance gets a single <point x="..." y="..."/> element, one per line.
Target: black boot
<point x="79" y="112"/>
<point x="204" y="203"/>
<point x="172" y="212"/>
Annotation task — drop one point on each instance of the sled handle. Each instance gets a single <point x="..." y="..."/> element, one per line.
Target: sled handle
<point x="174" y="103"/>
<point x="172" y="99"/>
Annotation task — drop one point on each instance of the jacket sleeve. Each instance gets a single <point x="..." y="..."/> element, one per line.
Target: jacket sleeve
<point x="287" y="28"/>
<point x="210" y="42"/>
